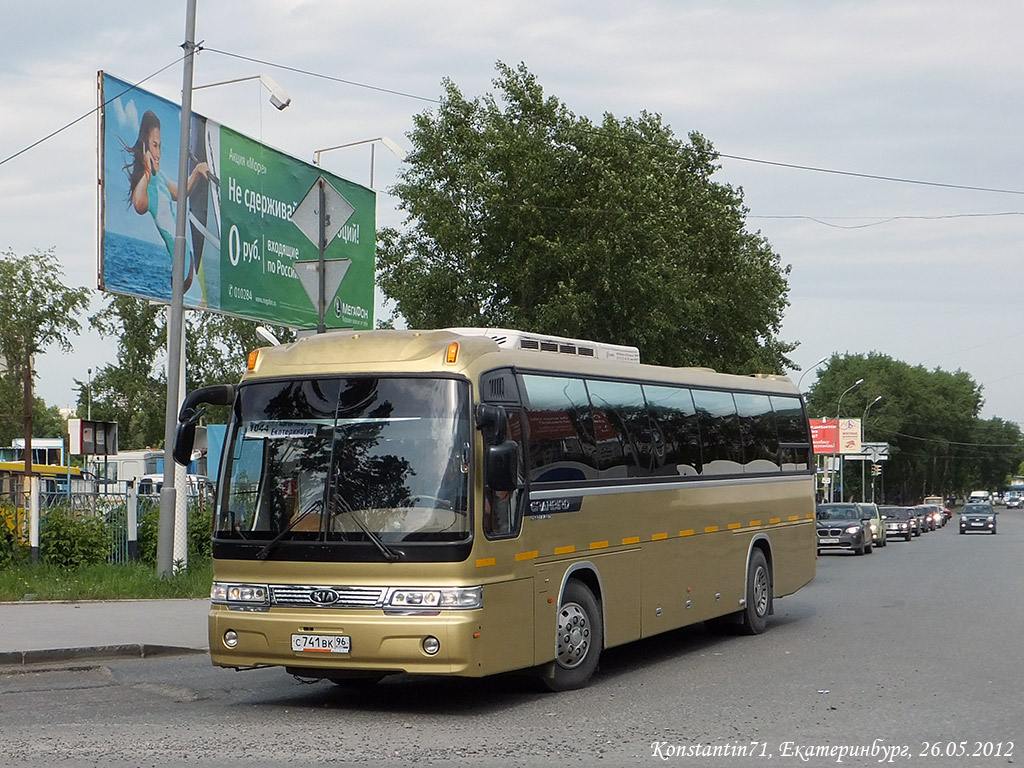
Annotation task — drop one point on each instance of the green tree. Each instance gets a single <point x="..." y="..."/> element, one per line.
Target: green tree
<point x="36" y="311"/>
<point x="133" y="390"/>
<point x="524" y="215"/>
<point x="130" y="391"/>
<point x="938" y="443"/>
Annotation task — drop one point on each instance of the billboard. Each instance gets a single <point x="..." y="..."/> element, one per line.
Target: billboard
<point x="831" y="436"/>
<point x="242" y="242"/>
<point x="824" y="437"/>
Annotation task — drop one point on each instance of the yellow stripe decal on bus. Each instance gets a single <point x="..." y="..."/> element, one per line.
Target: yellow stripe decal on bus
<point x="808" y="517"/>
<point x="485" y="561"/>
<point x="598" y="544"/>
<point x="775" y="520"/>
<point x="711" y="529"/>
<point x="631" y="540"/>
<point x="687" y="532"/>
<point x="734" y="526"/>
<point x="792" y="518"/>
<point x="659" y="536"/>
<point x="565" y="550"/>
<point x="527" y="555"/>
<point x="754" y="523"/>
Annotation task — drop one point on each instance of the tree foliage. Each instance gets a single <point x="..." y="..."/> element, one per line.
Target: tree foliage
<point x="133" y="390"/>
<point x="36" y="311"/>
<point x="938" y="442"/>
<point x="524" y="215"/>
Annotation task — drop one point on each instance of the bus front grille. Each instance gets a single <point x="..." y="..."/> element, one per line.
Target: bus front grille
<point x="326" y="597"/>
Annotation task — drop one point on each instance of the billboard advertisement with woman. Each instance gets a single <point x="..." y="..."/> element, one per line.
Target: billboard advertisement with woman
<point x="241" y="240"/>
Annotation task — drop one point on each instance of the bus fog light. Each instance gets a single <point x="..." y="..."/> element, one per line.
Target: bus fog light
<point x="431" y="645"/>
<point x="231" y="638"/>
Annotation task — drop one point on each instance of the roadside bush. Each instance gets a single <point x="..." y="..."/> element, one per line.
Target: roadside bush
<point x="200" y="532"/>
<point x="148" y="531"/>
<point x="9" y="548"/>
<point x="70" y="541"/>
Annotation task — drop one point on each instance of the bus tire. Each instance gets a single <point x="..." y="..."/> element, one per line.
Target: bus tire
<point x="759" y="595"/>
<point x="579" y="640"/>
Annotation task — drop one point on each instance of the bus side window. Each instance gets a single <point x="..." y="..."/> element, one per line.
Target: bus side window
<point x="502" y="513"/>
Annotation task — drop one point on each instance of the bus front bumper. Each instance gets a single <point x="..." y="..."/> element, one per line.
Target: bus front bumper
<point x="441" y="643"/>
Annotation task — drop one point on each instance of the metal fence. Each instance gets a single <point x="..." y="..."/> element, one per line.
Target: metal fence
<point x="111" y="507"/>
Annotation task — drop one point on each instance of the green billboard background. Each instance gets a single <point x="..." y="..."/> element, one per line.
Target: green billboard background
<point x="241" y="243"/>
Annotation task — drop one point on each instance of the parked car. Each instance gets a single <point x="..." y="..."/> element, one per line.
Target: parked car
<point x="978" y="518"/>
<point x="842" y="526"/>
<point x="900" y="521"/>
<point x="870" y="513"/>
<point x="1014" y="502"/>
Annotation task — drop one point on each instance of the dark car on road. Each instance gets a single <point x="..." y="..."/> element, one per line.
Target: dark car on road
<point x="900" y="522"/>
<point x="978" y="518"/>
<point x="842" y="526"/>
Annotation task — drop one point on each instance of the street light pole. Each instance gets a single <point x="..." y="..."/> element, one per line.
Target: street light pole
<point x="396" y="150"/>
<point x="835" y="445"/>
<point x="863" y="432"/>
<point x="176" y="313"/>
<point x="811" y="368"/>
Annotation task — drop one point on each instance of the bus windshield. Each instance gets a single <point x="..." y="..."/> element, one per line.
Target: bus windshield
<point x="377" y="461"/>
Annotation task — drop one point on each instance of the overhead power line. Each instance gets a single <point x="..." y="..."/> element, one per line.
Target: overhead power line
<point x="876" y="177"/>
<point x="431" y="100"/>
<point x="882" y="220"/>
<point x="93" y="111"/>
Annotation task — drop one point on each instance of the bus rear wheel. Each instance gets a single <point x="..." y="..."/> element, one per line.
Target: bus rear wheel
<point x="579" y="640"/>
<point x="759" y="595"/>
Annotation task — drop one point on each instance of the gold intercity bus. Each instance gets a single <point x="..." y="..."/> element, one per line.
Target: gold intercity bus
<point x="467" y="502"/>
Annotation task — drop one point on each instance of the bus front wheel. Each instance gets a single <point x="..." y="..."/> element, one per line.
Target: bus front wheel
<point x="579" y="640"/>
<point x="759" y="595"/>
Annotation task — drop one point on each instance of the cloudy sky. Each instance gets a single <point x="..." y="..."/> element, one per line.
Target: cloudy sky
<point x="878" y="143"/>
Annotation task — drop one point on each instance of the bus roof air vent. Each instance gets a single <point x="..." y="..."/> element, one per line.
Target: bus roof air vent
<point x="507" y="339"/>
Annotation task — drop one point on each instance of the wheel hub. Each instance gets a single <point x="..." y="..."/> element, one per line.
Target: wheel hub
<point x="573" y="635"/>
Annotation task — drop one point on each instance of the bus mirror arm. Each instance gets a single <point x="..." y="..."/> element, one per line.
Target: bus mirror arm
<point x="502" y="466"/>
<point x="185" y="434"/>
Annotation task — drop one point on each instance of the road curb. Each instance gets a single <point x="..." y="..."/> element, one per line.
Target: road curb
<point x="55" y="655"/>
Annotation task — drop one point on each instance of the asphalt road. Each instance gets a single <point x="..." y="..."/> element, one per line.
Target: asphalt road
<point x="910" y="655"/>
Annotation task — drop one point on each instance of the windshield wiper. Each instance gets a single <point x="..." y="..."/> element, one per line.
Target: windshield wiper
<point x="272" y="544"/>
<point x="389" y="554"/>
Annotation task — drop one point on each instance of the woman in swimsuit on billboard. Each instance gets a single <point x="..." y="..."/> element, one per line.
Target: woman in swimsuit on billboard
<point x="151" y="190"/>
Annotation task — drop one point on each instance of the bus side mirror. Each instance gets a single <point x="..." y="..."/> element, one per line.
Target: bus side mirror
<point x="185" y="434"/>
<point x="493" y="422"/>
<point x="501" y="469"/>
<point x="184" y="440"/>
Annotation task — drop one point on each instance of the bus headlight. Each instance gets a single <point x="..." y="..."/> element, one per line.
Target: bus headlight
<point x="222" y="593"/>
<point x="457" y="598"/>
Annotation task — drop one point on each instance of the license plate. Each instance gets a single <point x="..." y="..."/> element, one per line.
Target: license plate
<point x="321" y="643"/>
<point x="976" y="523"/>
<point x="828" y="540"/>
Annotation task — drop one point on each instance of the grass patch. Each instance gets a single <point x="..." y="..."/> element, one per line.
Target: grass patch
<point x="103" y="582"/>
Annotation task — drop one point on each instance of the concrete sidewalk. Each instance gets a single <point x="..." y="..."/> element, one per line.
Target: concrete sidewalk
<point x="41" y="632"/>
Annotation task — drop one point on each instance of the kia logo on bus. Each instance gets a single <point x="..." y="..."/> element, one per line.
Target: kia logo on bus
<point x="324" y="596"/>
